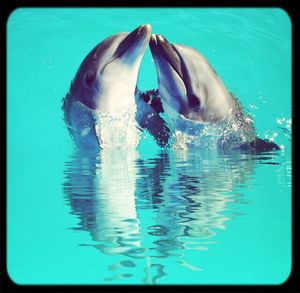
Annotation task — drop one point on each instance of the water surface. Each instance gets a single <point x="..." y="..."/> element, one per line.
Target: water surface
<point x="147" y="216"/>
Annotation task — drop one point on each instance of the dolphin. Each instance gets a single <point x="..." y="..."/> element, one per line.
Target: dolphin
<point x="104" y="83"/>
<point x="191" y="89"/>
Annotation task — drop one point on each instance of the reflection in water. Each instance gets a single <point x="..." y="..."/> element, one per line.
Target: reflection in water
<point x="101" y="193"/>
<point x="190" y="193"/>
<point x="157" y="208"/>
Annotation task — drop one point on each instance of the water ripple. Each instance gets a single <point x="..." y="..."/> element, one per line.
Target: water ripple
<point x="161" y="206"/>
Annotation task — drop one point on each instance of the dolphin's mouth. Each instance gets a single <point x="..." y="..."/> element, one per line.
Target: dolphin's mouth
<point x="134" y="37"/>
<point x="162" y="49"/>
<point x="167" y="52"/>
<point x="140" y="34"/>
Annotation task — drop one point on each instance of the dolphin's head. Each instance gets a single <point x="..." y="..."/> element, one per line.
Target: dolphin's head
<point x="106" y="79"/>
<point x="187" y="83"/>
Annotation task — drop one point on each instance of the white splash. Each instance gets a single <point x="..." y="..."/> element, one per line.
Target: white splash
<point x="189" y="134"/>
<point x="118" y="130"/>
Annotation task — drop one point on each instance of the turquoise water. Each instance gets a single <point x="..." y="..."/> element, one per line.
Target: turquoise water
<point x="147" y="216"/>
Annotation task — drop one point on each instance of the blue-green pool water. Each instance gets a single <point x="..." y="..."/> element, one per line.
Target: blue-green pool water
<point x="147" y="216"/>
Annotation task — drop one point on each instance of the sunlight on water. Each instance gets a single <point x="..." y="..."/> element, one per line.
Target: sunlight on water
<point x="118" y="131"/>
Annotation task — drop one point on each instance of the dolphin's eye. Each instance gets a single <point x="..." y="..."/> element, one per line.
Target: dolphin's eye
<point x="193" y="101"/>
<point x="90" y="78"/>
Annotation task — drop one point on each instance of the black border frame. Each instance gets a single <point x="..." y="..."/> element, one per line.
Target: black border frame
<point x="290" y="285"/>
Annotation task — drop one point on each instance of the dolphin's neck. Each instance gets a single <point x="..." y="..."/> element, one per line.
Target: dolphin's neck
<point x="238" y="129"/>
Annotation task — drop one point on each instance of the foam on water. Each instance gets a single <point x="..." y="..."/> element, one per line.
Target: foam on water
<point x="118" y="130"/>
<point x="231" y="133"/>
<point x="191" y="134"/>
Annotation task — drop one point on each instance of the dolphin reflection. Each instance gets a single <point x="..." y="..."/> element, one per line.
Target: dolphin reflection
<point x="100" y="191"/>
<point x="158" y="207"/>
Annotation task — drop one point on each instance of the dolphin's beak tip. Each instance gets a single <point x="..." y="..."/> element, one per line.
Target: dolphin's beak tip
<point x="157" y="39"/>
<point x="147" y="28"/>
<point x="144" y="29"/>
<point x="153" y="40"/>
